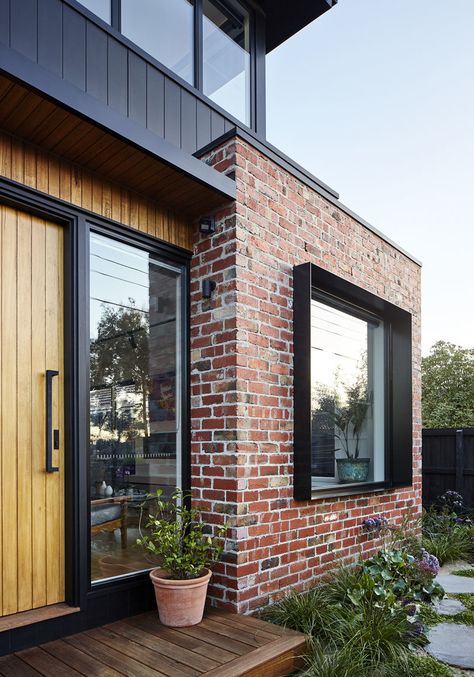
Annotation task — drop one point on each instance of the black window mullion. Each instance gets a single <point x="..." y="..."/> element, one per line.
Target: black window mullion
<point x="198" y="46"/>
<point x="115" y="14"/>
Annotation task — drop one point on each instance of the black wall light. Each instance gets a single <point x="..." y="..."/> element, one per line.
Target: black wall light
<point x="208" y="287"/>
<point x="207" y="225"/>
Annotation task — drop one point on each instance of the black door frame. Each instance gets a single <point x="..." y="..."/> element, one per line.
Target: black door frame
<point x="110" y="600"/>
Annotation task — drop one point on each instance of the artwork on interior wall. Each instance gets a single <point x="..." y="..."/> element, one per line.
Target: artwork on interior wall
<point x="162" y="401"/>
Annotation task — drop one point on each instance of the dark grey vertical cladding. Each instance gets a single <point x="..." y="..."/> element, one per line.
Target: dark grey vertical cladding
<point x="217" y="125"/>
<point x="117" y="76"/>
<point x="5" y="22"/>
<point x="203" y="124"/>
<point x="188" y="122"/>
<point x="228" y="125"/>
<point x="50" y="28"/>
<point x="96" y="62"/>
<point x="155" y="104"/>
<point x="136" y="88"/>
<point x="74" y="47"/>
<point x="23" y="26"/>
<point x="172" y="112"/>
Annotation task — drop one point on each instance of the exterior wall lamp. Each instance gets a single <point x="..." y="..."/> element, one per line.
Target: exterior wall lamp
<point x="208" y="287"/>
<point x="207" y="225"/>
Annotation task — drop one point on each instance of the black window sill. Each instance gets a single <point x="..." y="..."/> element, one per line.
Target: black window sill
<point x="349" y="490"/>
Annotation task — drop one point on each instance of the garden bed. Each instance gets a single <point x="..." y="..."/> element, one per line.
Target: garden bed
<point x="373" y="619"/>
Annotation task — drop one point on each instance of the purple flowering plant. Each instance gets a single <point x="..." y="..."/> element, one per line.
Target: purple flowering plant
<point x="427" y="563"/>
<point x="450" y="502"/>
<point x="375" y="523"/>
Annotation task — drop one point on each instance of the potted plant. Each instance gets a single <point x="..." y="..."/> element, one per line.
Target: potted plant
<point x="176" y="536"/>
<point x="349" y="420"/>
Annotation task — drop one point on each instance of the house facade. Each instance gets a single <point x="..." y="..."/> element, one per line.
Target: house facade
<point x="182" y="305"/>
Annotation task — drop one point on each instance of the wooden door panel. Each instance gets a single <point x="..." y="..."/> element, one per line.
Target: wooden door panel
<point x="31" y="341"/>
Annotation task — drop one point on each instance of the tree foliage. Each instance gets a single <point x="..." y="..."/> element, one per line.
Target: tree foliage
<point x="448" y="386"/>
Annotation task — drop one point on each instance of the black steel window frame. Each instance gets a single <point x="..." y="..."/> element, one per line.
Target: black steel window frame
<point x="114" y="599"/>
<point x="308" y="280"/>
<point x="257" y="84"/>
<point x="165" y="254"/>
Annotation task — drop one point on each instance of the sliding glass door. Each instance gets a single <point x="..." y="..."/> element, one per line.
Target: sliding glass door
<point x="136" y="361"/>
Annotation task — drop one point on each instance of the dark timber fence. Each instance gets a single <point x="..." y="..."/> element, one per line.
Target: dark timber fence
<point x="448" y="463"/>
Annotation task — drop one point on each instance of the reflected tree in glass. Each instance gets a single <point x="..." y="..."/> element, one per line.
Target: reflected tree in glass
<point x="120" y="357"/>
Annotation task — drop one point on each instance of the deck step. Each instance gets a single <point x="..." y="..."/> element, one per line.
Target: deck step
<point x="44" y="613"/>
<point x="223" y="645"/>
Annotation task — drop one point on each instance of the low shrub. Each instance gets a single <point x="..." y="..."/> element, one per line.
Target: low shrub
<point x="356" y="631"/>
<point x="447" y="536"/>
<point x="469" y="573"/>
<point x="421" y="665"/>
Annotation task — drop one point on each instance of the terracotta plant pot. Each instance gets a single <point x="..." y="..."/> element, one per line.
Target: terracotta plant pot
<point x="180" y="603"/>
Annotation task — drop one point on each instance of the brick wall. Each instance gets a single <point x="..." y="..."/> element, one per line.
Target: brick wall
<point x="241" y="360"/>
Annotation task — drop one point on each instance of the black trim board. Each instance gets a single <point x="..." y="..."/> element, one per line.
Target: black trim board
<point x="66" y="95"/>
<point x="308" y="277"/>
<point x="303" y="175"/>
<point x="110" y="600"/>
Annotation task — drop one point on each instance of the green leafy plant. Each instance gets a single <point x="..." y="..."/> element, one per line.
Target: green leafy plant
<point x="399" y="575"/>
<point x="349" y="418"/>
<point x="354" y="633"/>
<point x="176" y="536"/>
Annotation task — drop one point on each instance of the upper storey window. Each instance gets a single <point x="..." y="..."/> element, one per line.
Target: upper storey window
<point x="164" y="29"/>
<point x="226" y="57"/>
<point x="100" y="7"/>
<point x="205" y="42"/>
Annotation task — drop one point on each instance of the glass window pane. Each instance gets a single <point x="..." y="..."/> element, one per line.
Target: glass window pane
<point x="99" y="7"/>
<point x="135" y="328"/>
<point x="164" y="29"/>
<point x="347" y="397"/>
<point x="226" y="56"/>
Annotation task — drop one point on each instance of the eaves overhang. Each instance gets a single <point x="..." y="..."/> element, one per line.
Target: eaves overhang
<point x="182" y="181"/>
<point x="283" y="19"/>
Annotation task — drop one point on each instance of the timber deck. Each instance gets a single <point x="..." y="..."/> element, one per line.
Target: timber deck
<point x="223" y="645"/>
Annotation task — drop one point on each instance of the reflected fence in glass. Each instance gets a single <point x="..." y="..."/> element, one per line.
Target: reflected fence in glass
<point x="135" y="385"/>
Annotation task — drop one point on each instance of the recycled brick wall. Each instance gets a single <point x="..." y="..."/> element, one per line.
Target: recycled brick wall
<point x="242" y="379"/>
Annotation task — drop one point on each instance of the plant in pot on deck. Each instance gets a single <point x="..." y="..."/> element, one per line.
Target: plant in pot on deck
<point x="176" y="536"/>
<point x="349" y="422"/>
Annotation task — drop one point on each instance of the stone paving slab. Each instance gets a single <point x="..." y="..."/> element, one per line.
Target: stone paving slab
<point x="449" y="607"/>
<point x="452" y="644"/>
<point x="456" y="584"/>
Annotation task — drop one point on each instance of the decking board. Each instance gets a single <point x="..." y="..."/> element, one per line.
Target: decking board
<point x="223" y="645"/>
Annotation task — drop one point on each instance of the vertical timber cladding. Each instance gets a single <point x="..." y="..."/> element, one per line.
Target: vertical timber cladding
<point x="47" y="173"/>
<point x="31" y="342"/>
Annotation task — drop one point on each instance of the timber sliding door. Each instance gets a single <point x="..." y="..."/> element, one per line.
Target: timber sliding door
<point x="32" y="412"/>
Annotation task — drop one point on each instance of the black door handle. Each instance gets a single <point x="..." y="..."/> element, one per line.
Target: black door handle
<point x="50" y="374"/>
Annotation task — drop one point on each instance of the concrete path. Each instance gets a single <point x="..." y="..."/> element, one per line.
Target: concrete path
<point x="452" y="644"/>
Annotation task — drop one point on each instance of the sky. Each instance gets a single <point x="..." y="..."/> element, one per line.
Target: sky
<point x="380" y="94"/>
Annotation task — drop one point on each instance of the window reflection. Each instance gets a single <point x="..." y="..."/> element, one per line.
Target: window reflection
<point x="347" y="397"/>
<point x="99" y="7"/>
<point x="226" y="56"/>
<point x="134" y="396"/>
<point x="164" y="29"/>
